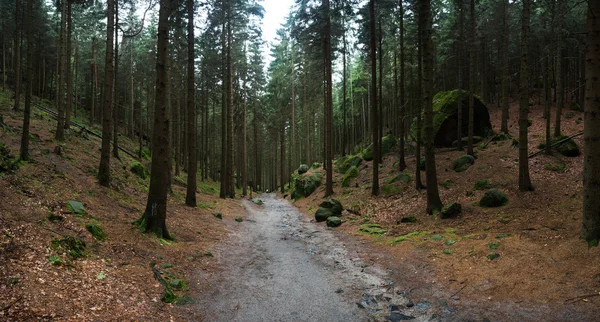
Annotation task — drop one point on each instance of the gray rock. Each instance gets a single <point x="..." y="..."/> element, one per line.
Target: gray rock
<point x="333" y="221"/>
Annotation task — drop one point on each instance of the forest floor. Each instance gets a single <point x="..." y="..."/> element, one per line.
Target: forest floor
<point x="544" y="271"/>
<point x="225" y="270"/>
<point x="112" y="280"/>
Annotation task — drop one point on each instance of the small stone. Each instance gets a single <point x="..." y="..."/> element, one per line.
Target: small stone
<point x="396" y="316"/>
<point x="333" y="221"/>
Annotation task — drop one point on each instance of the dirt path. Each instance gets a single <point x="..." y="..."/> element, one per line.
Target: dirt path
<point x="279" y="267"/>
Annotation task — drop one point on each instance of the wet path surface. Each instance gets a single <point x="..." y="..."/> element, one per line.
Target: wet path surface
<point x="279" y="267"/>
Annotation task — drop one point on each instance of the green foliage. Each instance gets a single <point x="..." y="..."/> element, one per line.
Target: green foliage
<point x="447" y="183"/>
<point x="494" y="245"/>
<point x="481" y="184"/>
<point x="558" y="166"/>
<point x="448" y="251"/>
<point x="146" y="155"/>
<point x="450" y="242"/>
<point x="463" y="163"/>
<point x="350" y="174"/>
<point x="96" y="231"/>
<point x="257" y="201"/>
<point x="413" y="235"/>
<point x="218" y="215"/>
<point x="402" y="176"/>
<point x="7" y="162"/>
<point x="500" y="236"/>
<point x="372" y="229"/>
<point x="55" y="260"/>
<point x="239" y="219"/>
<point x="387" y="143"/>
<point x="437" y="237"/>
<point x="493" y="198"/>
<point x="390" y="189"/>
<point x="493" y="256"/>
<point x="54" y="218"/>
<point x="139" y="170"/>
<point x="72" y="246"/>
<point x="76" y="207"/>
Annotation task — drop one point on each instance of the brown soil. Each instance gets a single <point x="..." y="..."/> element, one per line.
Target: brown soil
<point x="31" y="288"/>
<point x="544" y="269"/>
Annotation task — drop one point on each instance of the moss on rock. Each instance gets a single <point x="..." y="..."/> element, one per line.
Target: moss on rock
<point x="139" y="170"/>
<point x="493" y="198"/>
<point x="350" y="174"/>
<point x="451" y="210"/>
<point x="463" y="163"/>
<point x="568" y="148"/>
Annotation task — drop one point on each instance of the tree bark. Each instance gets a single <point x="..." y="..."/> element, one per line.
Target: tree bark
<point x="190" y="197"/>
<point x="104" y="169"/>
<point x="591" y="133"/>
<point x="61" y="84"/>
<point x="18" y="27"/>
<point x="560" y="90"/>
<point x="524" y="180"/>
<point x="154" y="218"/>
<point x="471" y="81"/>
<point x="328" y="104"/>
<point x="505" y="76"/>
<point x="115" y="91"/>
<point x="433" y="197"/>
<point x="24" y="152"/>
<point x="374" y="118"/>
<point x="68" y="74"/>
<point x="402" y="162"/>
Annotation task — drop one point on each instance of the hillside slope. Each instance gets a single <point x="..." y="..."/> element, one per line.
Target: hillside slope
<point x="526" y="252"/>
<point x="41" y="278"/>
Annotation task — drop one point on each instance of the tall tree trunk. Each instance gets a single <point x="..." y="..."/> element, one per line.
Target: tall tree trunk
<point x="547" y="102"/>
<point x="461" y="76"/>
<point x="61" y="84"/>
<point x="402" y="162"/>
<point x="591" y="133"/>
<point x="104" y="169"/>
<point x="418" y="183"/>
<point x="190" y="197"/>
<point x="76" y="72"/>
<point x="131" y="99"/>
<point x="154" y="218"/>
<point x="68" y="74"/>
<point x="115" y="92"/>
<point x="230" y="130"/>
<point x="380" y="91"/>
<point x="328" y="104"/>
<point x="471" y="81"/>
<point x="18" y="27"/>
<point x="94" y="84"/>
<point x="560" y="90"/>
<point x="344" y="91"/>
<point x="374" y="118"/>
<point x="140" y="128"/>
<point x="524" y="180"/>
<point x="244" y="153"/>
<point x="433" y="197"/>
<point x="505" y="76"/>
<point x="24" y="153"/>
<point x="224" y="100"/>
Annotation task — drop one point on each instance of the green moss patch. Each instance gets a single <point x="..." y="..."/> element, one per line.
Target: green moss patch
<point x="350" y="174"/>
<point x="372" y="229"/>
<point x="72" y="246"/>
<point x="96" y="231"/>
<point x="139" y="170"/>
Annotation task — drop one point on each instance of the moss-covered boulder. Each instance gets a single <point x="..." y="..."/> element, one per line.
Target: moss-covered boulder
<point x="304" y="185"/>
<point x="569" y="148"/>
<point x="463" y="163"/>
<point x="387" y="144"/>
<point x="333" y="204"/>
<point x="465" y="140"/>
<point x="333" y="221"/>
<point x="139" y="170"/>
<point x="445" y="120"/>
<point x="402" y="176"/>
<point x="481" y="184"/>
<point x="350" y="174"/>
<point x="493" y="198"/>
<point x="323" y="213"/>
<point x="302" y="169"/>
<point x="451" y="210"/>
<point x="343" y="164"/>
<point x="316" y="165"/>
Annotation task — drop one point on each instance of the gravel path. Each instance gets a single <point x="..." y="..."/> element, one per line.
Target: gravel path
<point x="279" y="267"/>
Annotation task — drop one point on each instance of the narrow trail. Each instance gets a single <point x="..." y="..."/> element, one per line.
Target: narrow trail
<point x="279" y="267"/>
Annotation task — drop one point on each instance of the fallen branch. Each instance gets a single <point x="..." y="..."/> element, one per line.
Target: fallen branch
<point x="555" y="144"/>
<point x="582" y="297"/>
<point x="11" y="304"/>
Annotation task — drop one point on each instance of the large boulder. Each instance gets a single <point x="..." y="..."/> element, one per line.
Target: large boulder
<point x="451" y="210"/>
<point x="334" y="221"/>
<point x="304" y="185"/>
<point x="333" y="204"/>
<point x="445" y="120"/>
<point x="323" y="213"/>
<point x="343" y="164"/>
<point x="569" y="148"/>
<point x="493" y="198"/>
<point x="387" y="143"/>
<point x="463" y="163"/>
<point x="302" y="169"/>
<point x="139" y="170"/>
<point x="350" y="174"/>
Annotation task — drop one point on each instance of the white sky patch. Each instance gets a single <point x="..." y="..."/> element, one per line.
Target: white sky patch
<point x="275" y="13"/>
